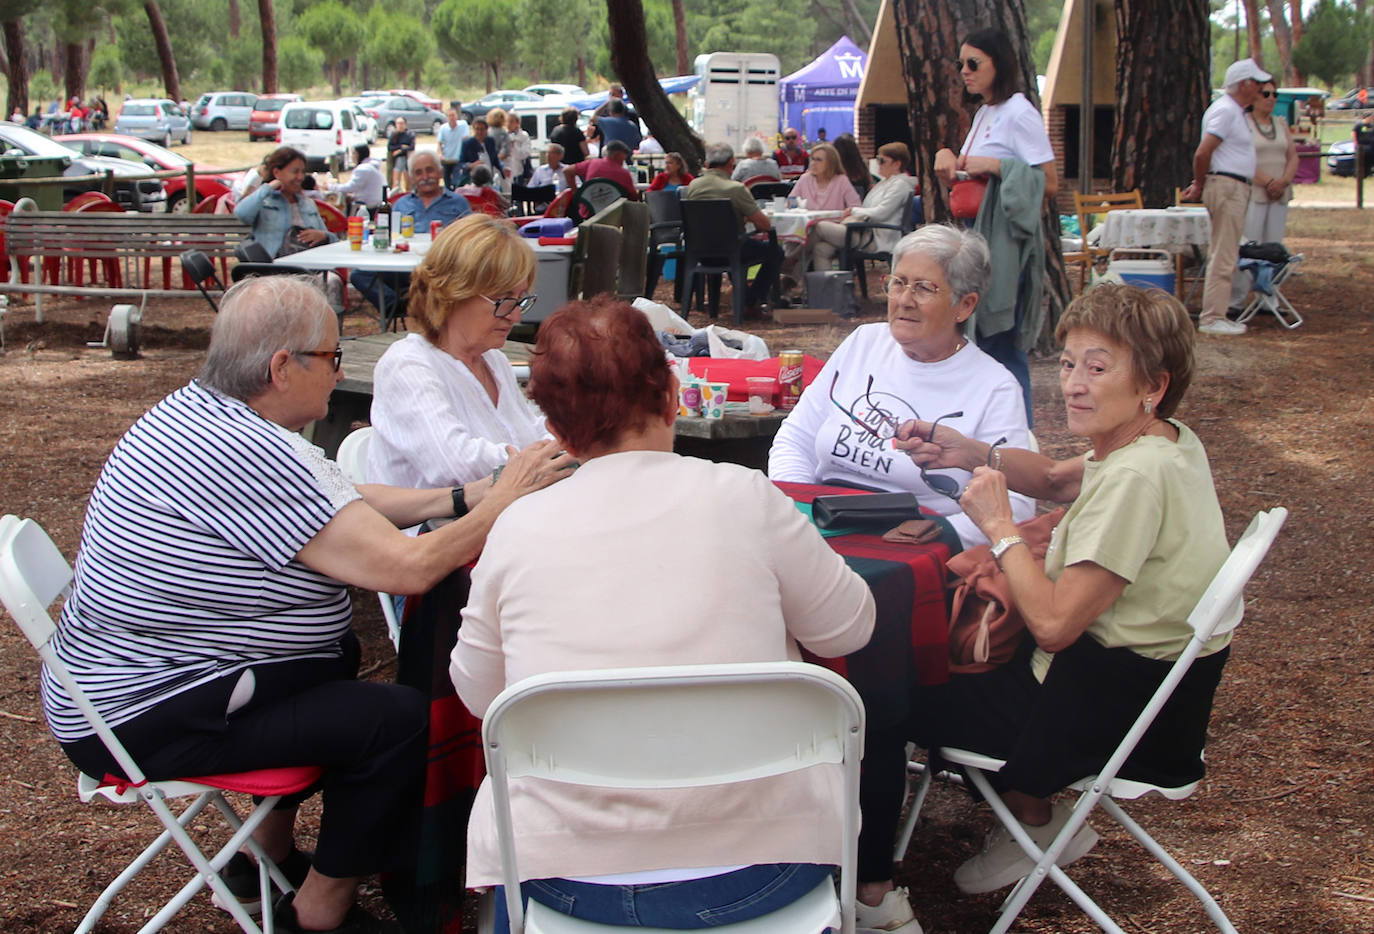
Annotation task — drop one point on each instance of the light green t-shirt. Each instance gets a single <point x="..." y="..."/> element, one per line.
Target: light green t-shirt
<point x="1147" y="513"/>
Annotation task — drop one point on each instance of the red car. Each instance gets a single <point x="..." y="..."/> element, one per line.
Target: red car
<point x="262" y="123"/>
<point x="210" y="180"/>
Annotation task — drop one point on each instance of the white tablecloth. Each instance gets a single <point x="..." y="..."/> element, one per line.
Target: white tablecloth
<point x="792" y="224"/>
<point x="1174" y="229"/>
<point x="339" y="255"/>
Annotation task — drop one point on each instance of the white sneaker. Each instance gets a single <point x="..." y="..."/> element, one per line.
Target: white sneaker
<point x="893" y="915"/>
<point x="1222" y="326"/>
<point x="1003" y="862"/>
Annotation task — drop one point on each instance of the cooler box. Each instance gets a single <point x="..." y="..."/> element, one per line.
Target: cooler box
<point x="548" y="227"/>
<point x="1149" y="269"/>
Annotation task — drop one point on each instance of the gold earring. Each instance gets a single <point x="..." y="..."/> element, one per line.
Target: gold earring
<point x="1149" y="405"/>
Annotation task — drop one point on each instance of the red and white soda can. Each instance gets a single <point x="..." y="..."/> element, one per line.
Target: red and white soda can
<point x="789" y="378"/>
<point x="434" y="228"/>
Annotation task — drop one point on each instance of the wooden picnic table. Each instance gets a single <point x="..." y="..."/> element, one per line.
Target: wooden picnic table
<point x="735" y="439"/>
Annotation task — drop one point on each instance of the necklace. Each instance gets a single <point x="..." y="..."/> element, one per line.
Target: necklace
<point x="960" y="346"/>
<point x="1271" y="133"/>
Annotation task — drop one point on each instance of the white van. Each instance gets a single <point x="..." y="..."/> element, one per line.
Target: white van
<point x="538" y="119"/>
<point x="322" y="130"/>
<point x="736" y="98"/>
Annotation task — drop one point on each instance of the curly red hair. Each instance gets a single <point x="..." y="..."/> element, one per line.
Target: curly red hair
<point x="599" y="372"/>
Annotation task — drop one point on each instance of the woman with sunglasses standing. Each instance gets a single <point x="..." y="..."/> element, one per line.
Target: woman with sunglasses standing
<point x="1276" y="162"/>
<point x="1008" y="148"/>
<point x="445" y="402"/>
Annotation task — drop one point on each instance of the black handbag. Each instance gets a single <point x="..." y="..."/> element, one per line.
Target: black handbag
<point x="885" y="509"/>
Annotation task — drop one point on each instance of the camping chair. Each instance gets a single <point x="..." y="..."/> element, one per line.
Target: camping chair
<point x="352" y="460"/>
<point x="595" y="196"/>
<point x="200" y="270"/>
<point x="1219" y="610"/>
<point x="853" y="257"/>
<point x="1090" y="206"/>
<point x="529" y="201"/>
<point x="33" y="574"/>
<point x="712" y="244"/>
<point x="1268" y="296"/>
<point x="251" y="251"/>
<point x="678" y="727"/>
<point x="665" y="230"/>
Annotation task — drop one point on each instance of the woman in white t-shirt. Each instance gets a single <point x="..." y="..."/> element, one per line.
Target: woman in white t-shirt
<point x="1006" y="126"/>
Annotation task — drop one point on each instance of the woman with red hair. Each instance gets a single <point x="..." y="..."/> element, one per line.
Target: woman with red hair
<point x="644" y="557"/>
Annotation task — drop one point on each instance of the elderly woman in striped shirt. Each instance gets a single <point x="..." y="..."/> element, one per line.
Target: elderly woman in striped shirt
<point x="210" y="617"/>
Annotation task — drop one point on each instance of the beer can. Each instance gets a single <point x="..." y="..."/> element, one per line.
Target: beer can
<point x="434" y="228"/>
<point x="407" y="226"/>
<point x="789" y="377"/>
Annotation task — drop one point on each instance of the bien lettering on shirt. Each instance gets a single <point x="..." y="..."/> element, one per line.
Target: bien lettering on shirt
<point x="869" y="447"/>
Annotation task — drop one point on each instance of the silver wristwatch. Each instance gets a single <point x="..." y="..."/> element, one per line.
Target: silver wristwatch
<point x="999" y="549"/>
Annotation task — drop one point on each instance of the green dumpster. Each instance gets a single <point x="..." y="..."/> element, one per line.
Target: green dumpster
<point x="16" y="169"/>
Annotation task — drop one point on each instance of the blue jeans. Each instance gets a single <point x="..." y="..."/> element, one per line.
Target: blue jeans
<point x="688" y="905"/>
<point x="1002" y="348"/>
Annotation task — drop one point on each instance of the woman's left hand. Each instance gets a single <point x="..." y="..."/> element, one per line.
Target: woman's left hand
<point x="986" y="501"/>
<point x="981" y="165"/>
<point x="1275" y="188"/>
<point x="312" y="236"/>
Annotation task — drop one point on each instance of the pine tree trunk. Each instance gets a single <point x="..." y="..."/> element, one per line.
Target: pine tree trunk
<point x="929" y="33"/>
<point x="17" y="73"/>
<point x="1162" y="69"/>
<point x="235" y="19"/>
<point x="684" y="63"/>
<point x="269" y="46"/>
<point x="1283" y="39"/>
<point x="630" y="62"/>
<point x="170" y="79"/>
<point x="75" y="68"/>
<point x="1252" y="31"/>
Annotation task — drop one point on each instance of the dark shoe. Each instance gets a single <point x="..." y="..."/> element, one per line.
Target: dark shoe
<point x="756" y="313"/>
<point x="357" y="921"/>
<point x="240" y="876"/>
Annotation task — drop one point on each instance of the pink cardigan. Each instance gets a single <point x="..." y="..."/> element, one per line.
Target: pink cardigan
<point x="839" y="194"/>
<point x="649" y="558"/>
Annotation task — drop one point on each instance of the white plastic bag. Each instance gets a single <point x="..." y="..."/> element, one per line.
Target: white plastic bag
<point x="663" y="318"/>
<point x="752" y="347"/>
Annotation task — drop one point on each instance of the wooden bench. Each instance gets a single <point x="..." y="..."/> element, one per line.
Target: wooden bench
<point x="128" y="241"/>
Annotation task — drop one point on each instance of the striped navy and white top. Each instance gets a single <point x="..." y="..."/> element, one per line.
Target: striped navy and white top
<point x="186" y="570"/>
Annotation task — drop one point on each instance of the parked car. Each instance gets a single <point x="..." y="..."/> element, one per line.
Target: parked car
<point x="223" y="110"/>
<point x="433" y="103"/>
<point x="156" y="119"/>
<point x="1350" y="100"/>
<point x="502" y="99"/>
<point x="419" y="119"/>
<point x="210" y="181"/>
<point x="1341" y="159"/>
<point x="133" y="189"/>
<point x="367" y="121"/>
<point x="556" y="90"/>
<point x="322" y="130"/>
<point x="262" y="122"/>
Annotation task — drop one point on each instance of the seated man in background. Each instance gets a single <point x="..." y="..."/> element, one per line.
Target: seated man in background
<point x="611" y="165"/>
<point x="428" y="202"/>
<point x="755" y="162"/>
<point x="551" y="172"/>
<point x="365" y="185"/>
<point x="715" y="183"/>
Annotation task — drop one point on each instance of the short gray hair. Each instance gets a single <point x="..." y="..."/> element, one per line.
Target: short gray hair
<point x="718" y="154"/>
<point x="753" y="147"/>
<point x="961" y="254"/>
<point x="430" y="154"/>
<point x="258" y="317"/>
<point x="556" y="147"/>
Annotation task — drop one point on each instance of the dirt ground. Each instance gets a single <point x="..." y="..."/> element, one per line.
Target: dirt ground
<point x="1280" y="828"/>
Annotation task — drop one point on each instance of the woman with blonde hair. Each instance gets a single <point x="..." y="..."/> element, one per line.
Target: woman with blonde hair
<point x="445" y="402"/>
<point x="825" y="187"/>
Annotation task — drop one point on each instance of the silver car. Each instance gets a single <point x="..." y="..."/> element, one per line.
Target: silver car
<point x="223" y="110"/>
<point x="419" y="118"/>
<point x="157" y="120"/>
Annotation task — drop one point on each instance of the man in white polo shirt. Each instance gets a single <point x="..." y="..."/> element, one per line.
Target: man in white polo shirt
<point x="1223" y="166"/>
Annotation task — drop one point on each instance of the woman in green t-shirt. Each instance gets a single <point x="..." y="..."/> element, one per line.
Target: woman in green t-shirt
<point x="1107" y="614"/>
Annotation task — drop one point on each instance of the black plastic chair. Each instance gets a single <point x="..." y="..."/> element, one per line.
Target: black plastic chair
<point x="765" y="191"/>
<point x="595" y="196"/>
<point x="712" y="240"/>
<point x="853" y="256"/>
<point x="200" y="270"/>
<point x="251" y="251"/>
<point x="665" y="229"/>
<point x="526" y="201"/>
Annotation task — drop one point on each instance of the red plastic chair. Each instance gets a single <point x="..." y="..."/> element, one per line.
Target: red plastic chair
<point x="759" y="179"/>
<point x="5" y="208"/>
<point x="113" y="275"/>
<point x="86" y="197"/>
<point x="207" y="205"/>
<point x="395" y="196"/>
<point x="488" y="201"/>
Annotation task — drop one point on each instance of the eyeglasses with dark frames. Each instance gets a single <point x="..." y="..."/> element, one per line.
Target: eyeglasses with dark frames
<point x="970" y="63"/>
<point x="945" y="486"/>
<point x="335" y="356"/>
<point x="1267" y="93"/>
<point x="508" y="305"/>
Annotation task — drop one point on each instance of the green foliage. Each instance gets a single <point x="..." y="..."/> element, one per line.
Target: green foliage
<point x="555" y="32"/>
<point x="299" y="63"/>
<point x="332" y="28"/>
<point x="475" y="31"/>
<point x="107" y="72"/>
<point x="783" y="27"/>
<point x="1335" y="42"/>
<point x="660" y="31"/>
<point x="397" y="43"/>
<point x="42" y="88"/>
<point x="191" y="28"/>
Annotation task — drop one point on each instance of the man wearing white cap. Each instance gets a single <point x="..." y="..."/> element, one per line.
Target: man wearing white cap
<point x="1223" y="166"/>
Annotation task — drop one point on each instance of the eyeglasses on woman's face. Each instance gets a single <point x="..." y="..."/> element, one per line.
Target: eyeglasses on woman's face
<point x="970" y="63"/>
<point x="508" y="305"/>
<point x="922" y="290"/>
<point x="335" y="356"/>
<point x="1268" y="93"/>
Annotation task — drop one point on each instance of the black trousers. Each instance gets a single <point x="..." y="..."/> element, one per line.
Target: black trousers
<point x="370" y="738"/>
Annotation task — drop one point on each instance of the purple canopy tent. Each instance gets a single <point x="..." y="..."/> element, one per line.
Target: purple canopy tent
<point x="821" y="95"/>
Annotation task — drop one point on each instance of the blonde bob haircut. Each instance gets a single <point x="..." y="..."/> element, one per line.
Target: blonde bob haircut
<point x="833" y="166"/>
<point x="475" y="255"/>
<point x="1151" y="324"/>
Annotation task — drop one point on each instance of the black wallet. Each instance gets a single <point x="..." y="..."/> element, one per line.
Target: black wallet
<point x="885" y="509"/>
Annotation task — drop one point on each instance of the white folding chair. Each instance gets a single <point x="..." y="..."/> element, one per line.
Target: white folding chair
<point x="1219" y="610"/>
<point x="1274" y="301"/>
<point x="352" y="460"/>
<point x="678" y="727"/>
<point x="33" y="574"/>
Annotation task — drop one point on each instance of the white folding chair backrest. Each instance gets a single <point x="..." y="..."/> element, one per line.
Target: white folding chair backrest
<point x="674" y="727"/>
<point x="352" y="456"/>
<point x="1222" y="604"/>
<point x="33" y="574"/>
